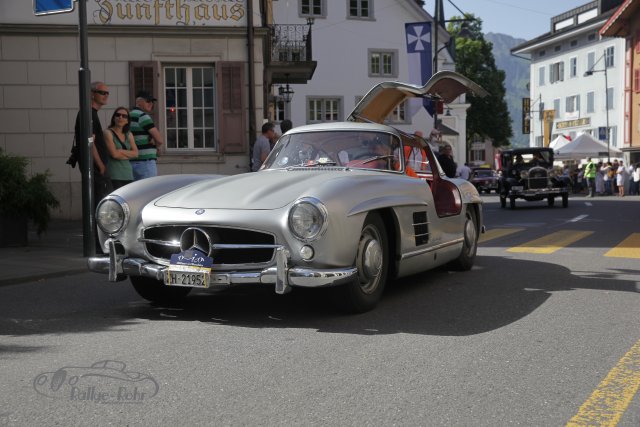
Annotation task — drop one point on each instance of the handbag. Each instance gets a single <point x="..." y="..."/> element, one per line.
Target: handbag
<point x="75" y="154"/>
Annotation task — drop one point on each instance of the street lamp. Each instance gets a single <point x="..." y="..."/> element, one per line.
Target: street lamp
<point x="606" y="100"/>
<point x="285" y="91"/>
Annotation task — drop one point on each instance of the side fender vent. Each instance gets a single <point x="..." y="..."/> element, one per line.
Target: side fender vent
<point x="421" y="228"/>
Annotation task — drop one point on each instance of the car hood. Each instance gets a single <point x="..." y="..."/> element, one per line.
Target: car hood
<point x="264" y="190"/>
<point x="376" y="105"/>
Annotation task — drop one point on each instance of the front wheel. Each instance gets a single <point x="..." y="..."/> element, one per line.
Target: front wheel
<point x="372" y="261"/>
<point x="155" y="291"/>
<point x="470" y="242"/>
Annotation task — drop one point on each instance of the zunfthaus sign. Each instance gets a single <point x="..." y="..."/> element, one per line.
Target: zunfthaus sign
<point x="193" y="13"/>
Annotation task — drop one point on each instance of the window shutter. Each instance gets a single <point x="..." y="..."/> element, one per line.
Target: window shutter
<point x="231" y="110"/>
<point x="144" y="76"/>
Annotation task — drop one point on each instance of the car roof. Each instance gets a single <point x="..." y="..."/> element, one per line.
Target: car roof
<point x="527" y="150"/>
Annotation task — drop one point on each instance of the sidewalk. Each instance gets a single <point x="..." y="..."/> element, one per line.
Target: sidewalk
<point x="56" y="253"/>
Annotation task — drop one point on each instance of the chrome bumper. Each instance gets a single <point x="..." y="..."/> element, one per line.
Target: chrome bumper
<point x="283" y="277"/>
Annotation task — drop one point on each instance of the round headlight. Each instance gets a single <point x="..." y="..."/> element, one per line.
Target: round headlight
<point x="307" y="219"/>
<point x="112" y="215"/>
<point x="524" y="174"/>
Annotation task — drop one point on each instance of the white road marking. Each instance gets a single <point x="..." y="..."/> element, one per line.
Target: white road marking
<point x="578" y="218"/>
<point x="588" y="203"/>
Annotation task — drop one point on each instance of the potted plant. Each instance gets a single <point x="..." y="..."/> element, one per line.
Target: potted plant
<point x="22" y="198"/>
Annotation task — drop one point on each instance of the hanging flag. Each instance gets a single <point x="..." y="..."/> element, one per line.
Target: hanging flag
<point x="420" y="61"/>
<point x="48" y="7"/>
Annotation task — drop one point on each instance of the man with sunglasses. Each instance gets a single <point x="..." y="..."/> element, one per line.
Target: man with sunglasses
<point x="147" y="137"/>
<point x="101" y="181"/>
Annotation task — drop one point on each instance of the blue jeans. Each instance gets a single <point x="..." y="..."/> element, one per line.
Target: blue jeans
<point x="144" y="169"/>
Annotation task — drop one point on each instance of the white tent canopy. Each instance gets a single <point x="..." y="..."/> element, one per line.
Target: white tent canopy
<point x="585" y="146"/>
<point x="560" y="141"/>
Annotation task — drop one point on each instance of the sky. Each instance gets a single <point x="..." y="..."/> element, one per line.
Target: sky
<point x="518" y="18"/>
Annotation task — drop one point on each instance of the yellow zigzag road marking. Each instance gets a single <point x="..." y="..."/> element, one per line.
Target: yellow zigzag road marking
<point x="629" y="248"/>
<point x="498" y="232"/>
<point x="551" y="242"/>
<point x="607" y="403"/>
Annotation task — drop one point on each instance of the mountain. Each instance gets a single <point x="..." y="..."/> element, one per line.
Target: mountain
<point x="516" y="81"/>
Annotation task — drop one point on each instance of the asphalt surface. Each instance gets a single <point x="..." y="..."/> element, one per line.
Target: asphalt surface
<point x="56" y="253"/>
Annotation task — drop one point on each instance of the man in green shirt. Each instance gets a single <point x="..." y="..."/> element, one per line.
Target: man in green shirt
<point x="590" y="176"/>
<point x="146" y="135"/>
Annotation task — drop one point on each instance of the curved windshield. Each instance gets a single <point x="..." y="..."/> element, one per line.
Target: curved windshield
<point x="352" y="149"/>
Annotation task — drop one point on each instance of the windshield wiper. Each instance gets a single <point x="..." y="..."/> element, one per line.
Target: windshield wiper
<point x="314" y="163"/>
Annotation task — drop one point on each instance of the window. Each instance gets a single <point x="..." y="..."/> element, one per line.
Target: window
<point x="590" y="102"/>
<point x="478" y="155"/>
<point x="591" y="59"/>
<point x="542" y="53"/>
<point x="557" y="48"/>
<point x="636" y="80"/>
<point x="324" y="110"/>
<point x="203" y="105"/>
<point x="541" y="76"/>
<point x="610" y="98"/>
<point x="608" y="57"/>
<point x="591" y="37"/>
<point x="360" y="9"/>
<point x="313" y="8"/>
<point x="556" y="72"/>
<point x="383" y="63"/>
<point x="189" y="109"/>
<point x="573" y="67"/>
<point x="572" y="104"/>
<point x="397" y="115"/>
<point x="556" y="107"/>
<point x="574" y="43"/>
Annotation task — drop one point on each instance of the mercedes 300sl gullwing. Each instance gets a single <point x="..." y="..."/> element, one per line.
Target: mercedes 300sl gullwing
<point x="332" y="206"/>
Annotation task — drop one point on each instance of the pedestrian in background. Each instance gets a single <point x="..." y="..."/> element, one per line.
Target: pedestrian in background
<point x="262" y="146"/>
<point x="636" y="180"/>
<point x="599" y="179"/>
<point x="621" y="178"/>
<point x="147" y="137"/>
<point x="285" y="126"/>
<point x="122" y="147"/>
<point x="590" y="177"/>
<point x="464" y="172"/>
<point x="99" y="153"/>
<point x="446" y="161"/>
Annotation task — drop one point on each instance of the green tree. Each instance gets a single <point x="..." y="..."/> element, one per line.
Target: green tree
<point x="487" y="117"/>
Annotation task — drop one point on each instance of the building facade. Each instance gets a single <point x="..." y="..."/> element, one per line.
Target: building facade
<point x="357" y="45"/>
<point x="202" y="59"/>
<point x="625" y="24"/>
<point x="577" y="77"/>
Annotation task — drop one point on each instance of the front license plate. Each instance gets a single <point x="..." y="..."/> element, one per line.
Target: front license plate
<point x="187" y="278"/>
<point x="190" y="268"/>
<point x="517" y="188"/>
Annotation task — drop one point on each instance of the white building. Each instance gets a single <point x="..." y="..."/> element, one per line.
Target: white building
<point x="568" y="76"/>
<point x="358" y="44"/>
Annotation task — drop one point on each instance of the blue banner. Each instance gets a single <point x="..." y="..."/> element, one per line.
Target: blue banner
<point x="418" y="37"/>
<point x="47" y="7"/>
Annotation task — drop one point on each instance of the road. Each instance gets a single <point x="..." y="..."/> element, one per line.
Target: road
<point x="546" y="320"/>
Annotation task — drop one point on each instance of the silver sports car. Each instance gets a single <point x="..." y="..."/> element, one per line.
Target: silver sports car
<point x="334" y="205"/>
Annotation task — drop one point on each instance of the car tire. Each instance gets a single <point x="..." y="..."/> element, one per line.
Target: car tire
<point x="372" y="261"/>
<point x="470" y="242"/>
<point x="565" y="200"/>
<point x="155" y="291"/>
<point x="551" y="201"/>
<point x="512" y="202"/>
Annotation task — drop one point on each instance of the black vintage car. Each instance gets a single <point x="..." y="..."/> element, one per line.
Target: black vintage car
<point x="527" y="173"/>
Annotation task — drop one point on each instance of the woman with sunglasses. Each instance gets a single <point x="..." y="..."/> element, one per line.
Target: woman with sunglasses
<point x="121" y="146"/>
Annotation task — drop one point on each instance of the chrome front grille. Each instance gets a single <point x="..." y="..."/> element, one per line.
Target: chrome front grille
<point x="238" y="246"/>
<point x="537" y="178"/>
